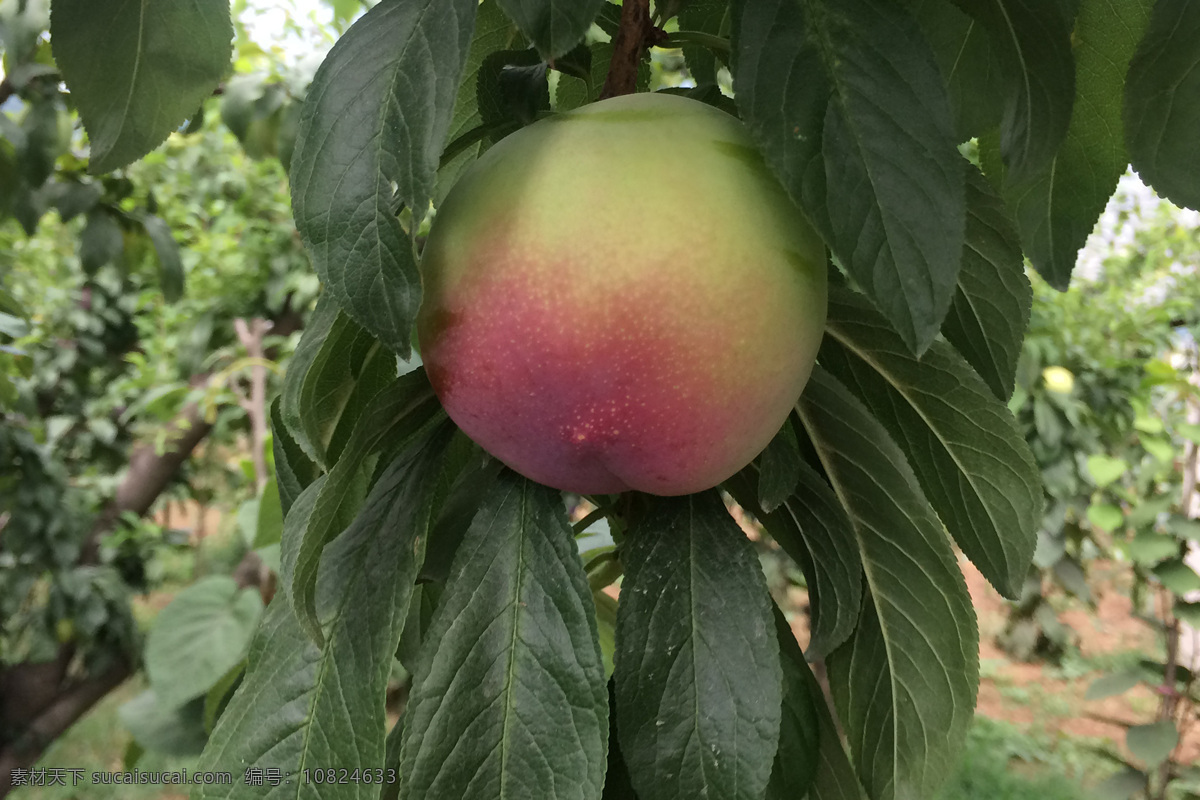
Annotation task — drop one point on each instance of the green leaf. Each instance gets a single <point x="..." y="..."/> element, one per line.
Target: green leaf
<point x="1105" y="469"/>
<point x="1188" y="612"/>
<point x="971" y="68"/>
<point x="1149" y="548"/>
<point x="100" y="242"/>
<point x="1072" y="578"/>
<point x="172" y="730"/>
<point x="137" y="70"/>
<point x="377" y="115"/>
<point x="1162" y="103"/>
<point x="799" y="754"/>
<point x="294" y="404"/>
<point x="1177" y="576"/>
<point x="698" y="680"/>
<point x="294" y="471"/>
<point x="1152" y="743"/>
<point x="554" y="26"/>
<point x="1112" y="685"/>
<point x="704" y="16"/>
<point x="990" y="312"/>
<point x="846" y="103"/>
<point x="813" y="529"/>
<point x="493" y="31"/>
<point x="300" y="705"/>
<point x="1032" y="42"/>
<point x="216" y="697"/>
<point x="512" y="90"/>
<point x="1146" y="512"/>
<point x="606" y="627"/>
<point x="269" y="526"/>
<point x="905" y="682"/>
<point x="394" y="418"/>
<point x="962" y="442"/>
<point x="198" y="637"/>
<point x="511" y="664"/>
<point x="1189" y="431"/>
<point x="170" y="266"/>
<point x="1056" y="206"/>
<point x="1184" y="528"/>
<point x="1124" y="785"/>
<point x="1105" y="516"/>
<point x="779" y="468"/>
<point x="1160" y="449"/>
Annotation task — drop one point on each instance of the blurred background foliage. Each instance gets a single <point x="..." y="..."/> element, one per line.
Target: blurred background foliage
<point x="149" y="303"/>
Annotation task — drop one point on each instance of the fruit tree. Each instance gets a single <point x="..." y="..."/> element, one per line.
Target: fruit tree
<point x="511" y="249"/>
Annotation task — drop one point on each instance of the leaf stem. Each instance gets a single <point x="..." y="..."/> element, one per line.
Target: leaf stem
<point x="681" y="38"/>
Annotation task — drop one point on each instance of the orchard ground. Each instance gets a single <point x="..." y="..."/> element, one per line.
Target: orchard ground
<point x="1034" y="737"/>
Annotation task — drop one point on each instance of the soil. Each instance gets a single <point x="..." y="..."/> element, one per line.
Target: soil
<point x="1044" y="698"/>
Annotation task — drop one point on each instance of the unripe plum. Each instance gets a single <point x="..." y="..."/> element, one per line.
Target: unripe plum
<point x="622" y="297"/>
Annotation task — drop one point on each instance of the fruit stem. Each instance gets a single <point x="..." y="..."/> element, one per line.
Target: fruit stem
<point x="583" y="524"/>
<point x="634" y="35"/>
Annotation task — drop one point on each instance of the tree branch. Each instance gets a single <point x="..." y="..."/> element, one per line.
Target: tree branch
<point x="635" y="34"/>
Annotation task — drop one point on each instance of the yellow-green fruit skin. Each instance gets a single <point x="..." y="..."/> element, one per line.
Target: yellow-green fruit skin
<point x="622" y="297"/>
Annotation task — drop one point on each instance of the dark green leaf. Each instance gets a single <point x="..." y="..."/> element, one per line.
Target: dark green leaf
<point x="512" y="90"/>
<point x="616" y="776"/>
<point x="969" y="455"/>
<point x="1188" y="612"/>
<point x="294" y="471"/>
<point x="1177" y="576"/>
<point x="395" y="417"/>
<point x="101" y="241"/>
<point x="1148" y="548"/>
<point x="174" y="731"/>
<point x="216" y="698"/>
<point x="1162" y="103"/>
<point x="706" y="16"/>
<point x="813" y="529"/>
<point x="137" y="70"/>
<point x="1125" y="785"/>
<point x="1152" y="743"/>
<point x="972" y="70"/>
<point x="697" y="667"/>
<point x="71" y="198"/>
<point x="1056" y="207"/>
<point x="511" y="664"/>
<point x="493" y="31"/>
<point x="847" y="105"/>
<point x="990" y="312"/>
<point x="198" y="637"/>
<point x="295" y="406"/>
<point x="779" y="468"/>
<point x="376" y="116"/>
<point x="300" y="705"/>
<point x="554" y="26"/>
<point x="170" y="266"/>
<point x="906" y="680"/>
<point x="1032" y="41"/>
<point x="799" y="751"/>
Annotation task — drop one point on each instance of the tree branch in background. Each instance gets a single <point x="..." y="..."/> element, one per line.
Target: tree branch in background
<point x="38" y="702"/>
<point x="635" y="34"/>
